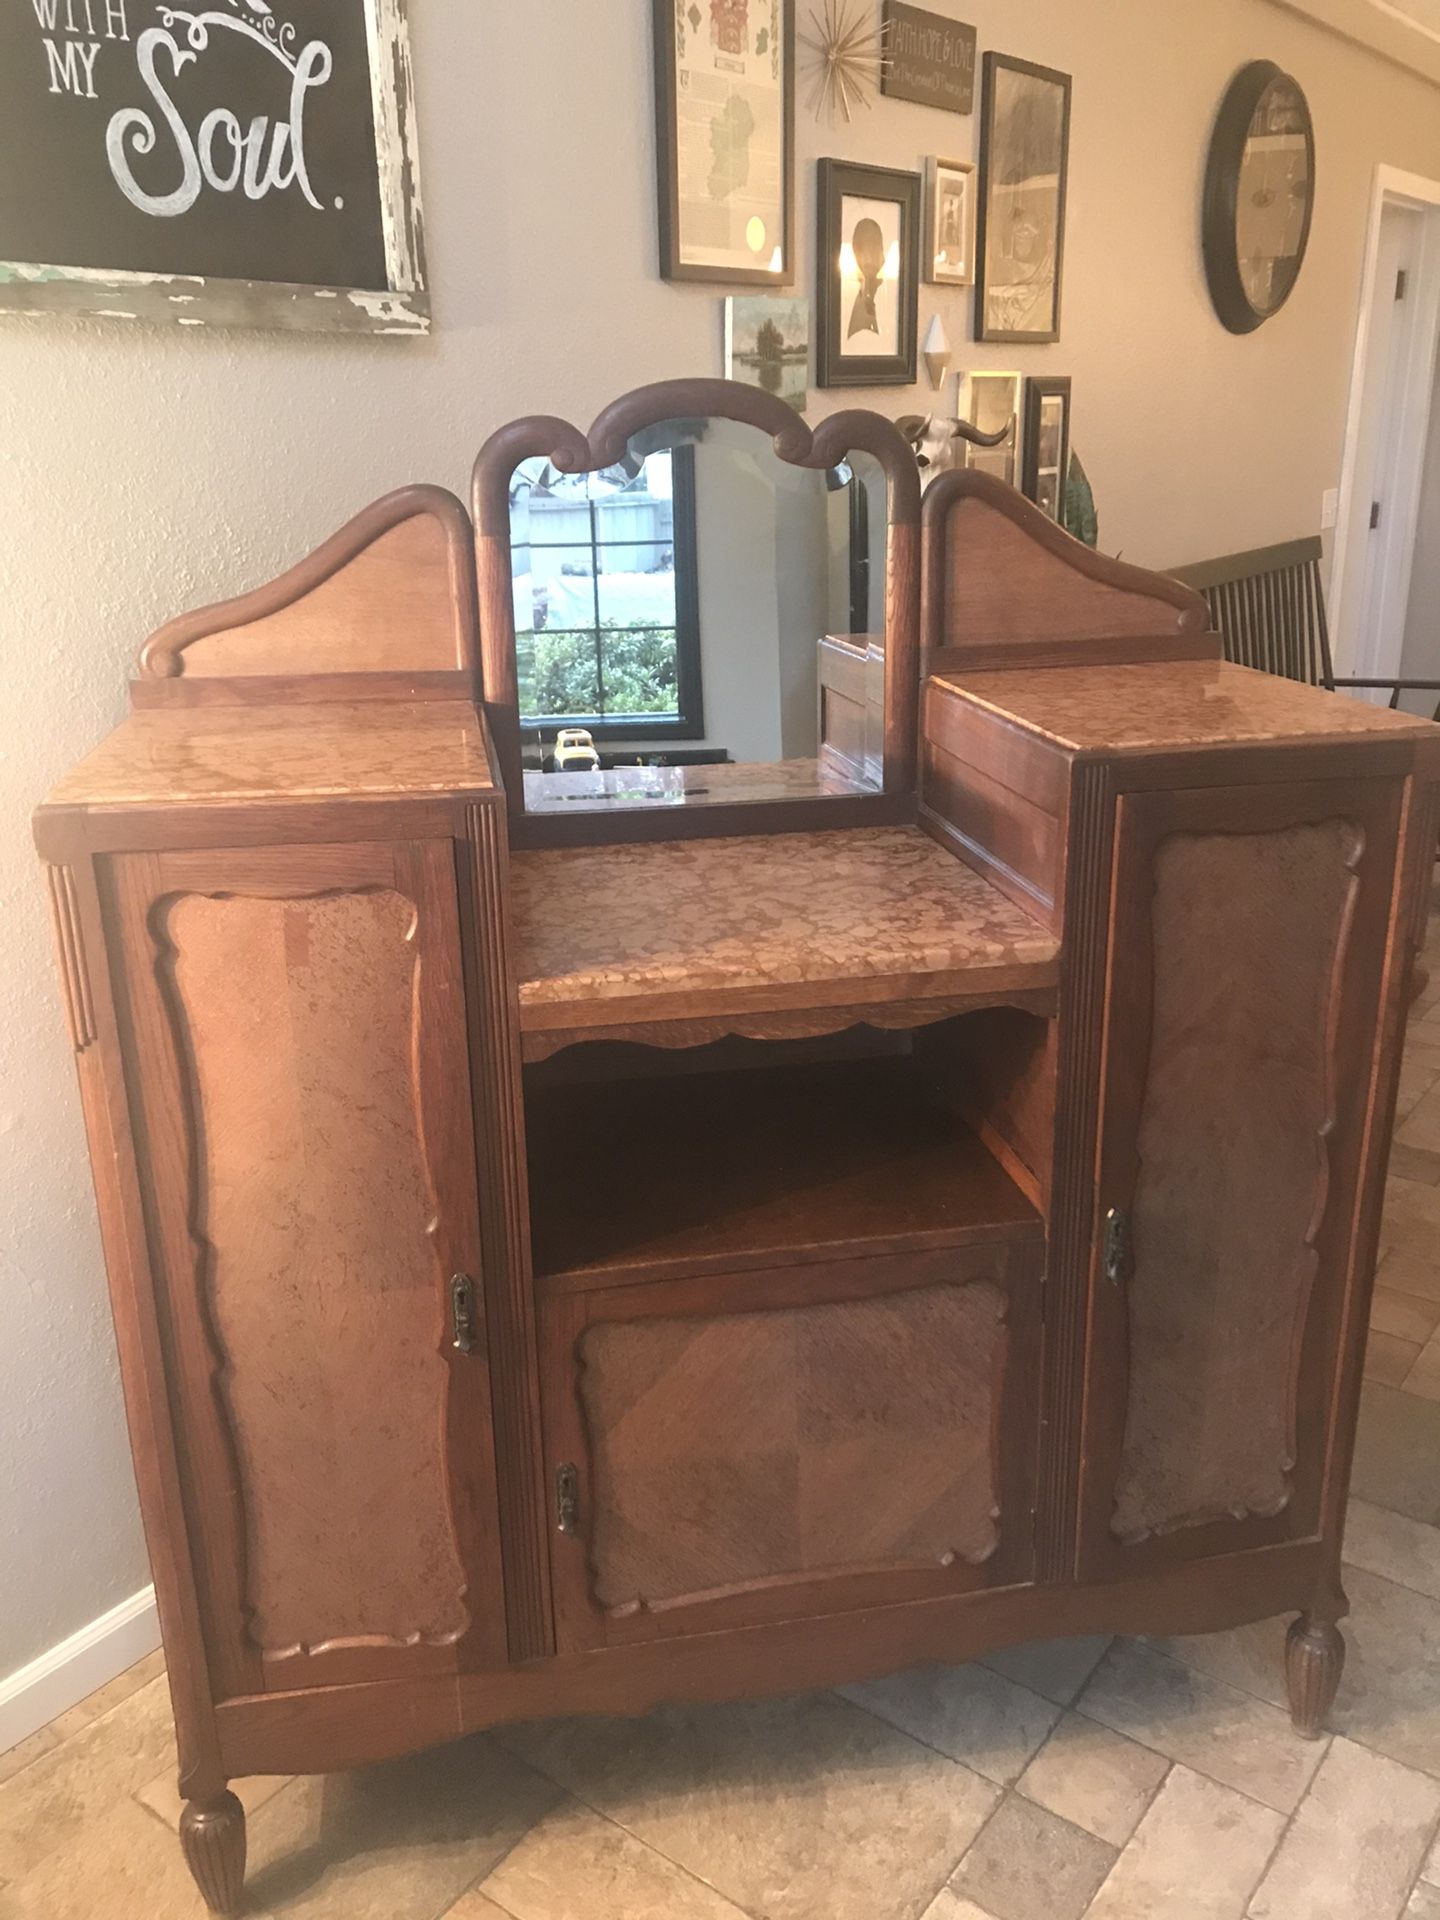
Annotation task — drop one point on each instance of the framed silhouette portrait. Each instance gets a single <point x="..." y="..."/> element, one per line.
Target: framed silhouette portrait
<point x="869" y="273"/>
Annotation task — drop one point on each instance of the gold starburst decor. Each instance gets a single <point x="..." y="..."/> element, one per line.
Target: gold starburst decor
<point x="850" y="55"/>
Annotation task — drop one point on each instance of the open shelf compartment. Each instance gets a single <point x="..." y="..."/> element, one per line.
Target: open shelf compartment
<point x="695" y="1173"/>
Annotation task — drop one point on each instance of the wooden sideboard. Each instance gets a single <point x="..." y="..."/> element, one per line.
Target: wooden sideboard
<point x="560" y="1278"/>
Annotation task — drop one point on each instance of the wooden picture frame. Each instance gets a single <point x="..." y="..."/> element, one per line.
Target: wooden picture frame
<point x="764" y="253"/>
<point x="949" y="227"/>
<point x="984" y="398"/>
<point x="1045" y="443"/>
<point x="164" y="290"/>
<point x="1024" y="150"/>
<point x="876" y="281"/>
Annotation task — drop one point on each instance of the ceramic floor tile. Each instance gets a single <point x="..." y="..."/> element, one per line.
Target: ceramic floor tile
<point x="1423" y="1379"/>
<point x="949" y="1905"/>
<point x="1417" y="1077"/>
<point x="1415" y="1163"/>
<point x="1355" y="1845"/>
<point x="1193" y="1717"/>
<point x="1393" y="1547"/>
<point x="1421" y="1126"/>
<point x="1424" y="1903"/>
<point x="15" y="1759"/>
<point x="1055" y="1669"/>
<point x="1250" y="1658"/>
<point x="49" y="1807"/>
<point x="1388" y="1360"/>
<point x="1389" y="1696"/>
<point x="774" y="1802"/>
<point x="971" y="1713"/>
<point x="401" y="1841"/>
<point x="475" y="1906"/>
<point x="1094" y="1778"/>
<point x="127" y="1868"/>
<point x="1430" y="1872"/>
<point x="1407" y="1271"/>
<point x="1411" y="1216"/>
<point x="1396" y="1450"/>
<point x="576" y="1865"/>
<point x="105" y="1698"/>
<point x="1402" y="1315"/>
<point x="1027" y="1865"/>
<point x="1198" y="1853"/>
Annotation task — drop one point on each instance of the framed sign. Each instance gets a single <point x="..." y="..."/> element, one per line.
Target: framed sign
<point x="725" y="140"/>
<point x="929" y="58"/>
<point x="226" y="162"/>
<point x="869" y="271"/>
<point x="1024" y="159"/>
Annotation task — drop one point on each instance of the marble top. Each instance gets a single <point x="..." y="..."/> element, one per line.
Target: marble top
<point x="1173" y="704"/>
<point x="776" y="920"/>
<point x="172" y="755"/>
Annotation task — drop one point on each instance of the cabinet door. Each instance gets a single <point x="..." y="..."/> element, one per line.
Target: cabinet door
<point x="294" y="1027"/>
<point x="755" y="1446"/>
<point x="1249" y="929"/>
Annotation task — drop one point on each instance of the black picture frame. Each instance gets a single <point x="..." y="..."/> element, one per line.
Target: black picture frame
<point x="673" y="264"/>
<point x="837" y="181"/>
<point x="1219" y="215"/>
<point x="1038" y="389"/>
<point x="988" y="224"/>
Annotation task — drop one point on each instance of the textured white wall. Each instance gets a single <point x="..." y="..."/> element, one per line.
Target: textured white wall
<point x="142" y="472"/>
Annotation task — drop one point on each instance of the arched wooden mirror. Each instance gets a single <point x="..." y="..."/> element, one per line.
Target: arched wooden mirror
<point x="700" y="605"/>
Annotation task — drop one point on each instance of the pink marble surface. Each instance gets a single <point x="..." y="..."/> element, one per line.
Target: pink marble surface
<point x="783" y="912"/>
<point x="172" y="755"/>
<point x="1180" y="703"/>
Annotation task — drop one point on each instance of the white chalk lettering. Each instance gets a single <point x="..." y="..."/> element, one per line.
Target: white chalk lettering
<point x="117" y="27"/>
<point x="46" y="11"/>
<point x="241" y="156"/>
<point x="72" y="67"/>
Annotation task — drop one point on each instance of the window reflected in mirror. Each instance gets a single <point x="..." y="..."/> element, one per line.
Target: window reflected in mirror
<point x="701" y="622"/>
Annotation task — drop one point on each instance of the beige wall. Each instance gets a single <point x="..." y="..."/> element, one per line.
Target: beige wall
<point x="142" y="472"/>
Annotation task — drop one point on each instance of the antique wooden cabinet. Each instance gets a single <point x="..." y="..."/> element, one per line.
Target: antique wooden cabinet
<point x="862" y="1210"/>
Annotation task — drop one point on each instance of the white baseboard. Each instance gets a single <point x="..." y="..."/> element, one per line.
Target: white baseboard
<point x="60" y="1679"/>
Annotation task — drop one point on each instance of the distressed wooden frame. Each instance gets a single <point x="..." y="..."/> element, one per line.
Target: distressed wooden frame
<point x="189" y="300"/>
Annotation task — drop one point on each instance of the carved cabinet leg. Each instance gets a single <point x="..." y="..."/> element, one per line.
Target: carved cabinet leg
<point x="1314" y="1660"/>
<point x="213" y="1836"/>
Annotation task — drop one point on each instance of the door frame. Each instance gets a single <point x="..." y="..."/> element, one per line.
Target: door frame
<point x="1400" y="466"/>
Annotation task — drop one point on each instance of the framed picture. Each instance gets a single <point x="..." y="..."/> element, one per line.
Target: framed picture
<point x="949" y="222"/>
<point x="869" y="280"/>
<point x="1020" y="239"/>
<point x="991" y="401"/>
<point x="245" y="166"/>
<point x="725" y="140"/>
<point x="767" y="344"/>
<point x="1045" y="459"/>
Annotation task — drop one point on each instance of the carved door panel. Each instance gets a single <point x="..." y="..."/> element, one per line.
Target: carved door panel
<point x="760" y="1445"/>
<point x="295" y="1037"/>
<point x="1248" y="936"/>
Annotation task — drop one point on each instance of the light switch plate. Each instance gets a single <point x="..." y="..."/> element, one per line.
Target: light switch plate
<point x="1329" y="507"/>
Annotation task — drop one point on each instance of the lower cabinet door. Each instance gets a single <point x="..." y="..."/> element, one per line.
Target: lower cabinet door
<point x="1249" y="932"/>
<point x="294" y="1029"/>
<point x="762" y="1445"/>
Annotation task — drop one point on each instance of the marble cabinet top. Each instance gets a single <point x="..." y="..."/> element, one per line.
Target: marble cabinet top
<point x="174" y="755"/>
<point x="779" y="920"/>
<point x="1173" y="704"/>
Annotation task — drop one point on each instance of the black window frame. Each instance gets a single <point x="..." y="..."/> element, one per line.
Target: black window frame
<point x="689" y="679"/>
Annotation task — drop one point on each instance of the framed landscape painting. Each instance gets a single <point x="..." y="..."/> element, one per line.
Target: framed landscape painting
<point x="1020" y="242"/>
<point x="767" y="344"/>
<point x="725" y="140"/>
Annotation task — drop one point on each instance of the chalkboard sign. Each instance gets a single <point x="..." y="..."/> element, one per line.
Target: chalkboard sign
<point x="931" y="58"/>
<point x="213" y="163"/>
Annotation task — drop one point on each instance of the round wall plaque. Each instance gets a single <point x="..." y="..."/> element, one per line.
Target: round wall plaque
<point x="1259" y="193"/>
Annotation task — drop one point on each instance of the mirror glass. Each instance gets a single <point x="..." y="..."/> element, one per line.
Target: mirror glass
<point x="700" y="623"/>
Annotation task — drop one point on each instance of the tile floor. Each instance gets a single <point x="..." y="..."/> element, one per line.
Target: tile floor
<point x="1120" y="1780"/>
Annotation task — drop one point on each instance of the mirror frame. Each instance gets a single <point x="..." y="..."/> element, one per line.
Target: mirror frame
<point x="545" y="436"/>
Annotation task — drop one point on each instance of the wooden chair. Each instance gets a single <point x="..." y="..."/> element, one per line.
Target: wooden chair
<point x="1269" y="608"/>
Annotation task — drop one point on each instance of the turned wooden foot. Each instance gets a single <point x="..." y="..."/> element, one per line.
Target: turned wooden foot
<point x="213" y="1836"/>
<point x="1314" y="1660"/>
